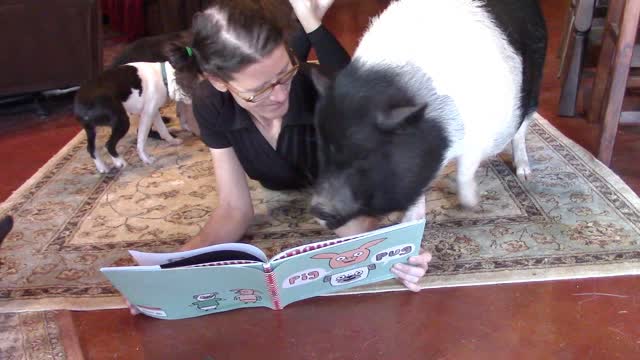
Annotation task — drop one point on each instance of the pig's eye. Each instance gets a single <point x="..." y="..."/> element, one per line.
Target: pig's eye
<point x="341" y="258"/>
<point x="359" y="253"/>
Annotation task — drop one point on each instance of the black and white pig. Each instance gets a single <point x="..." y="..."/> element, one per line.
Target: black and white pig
<point x="431" y="81"/>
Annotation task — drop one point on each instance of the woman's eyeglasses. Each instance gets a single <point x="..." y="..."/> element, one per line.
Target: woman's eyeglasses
<point x="264" y="93"/>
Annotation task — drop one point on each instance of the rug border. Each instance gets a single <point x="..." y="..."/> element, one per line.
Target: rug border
<point x="614" y="179"/>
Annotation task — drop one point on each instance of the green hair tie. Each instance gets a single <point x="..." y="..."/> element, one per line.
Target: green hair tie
<point x="189" y="51"/>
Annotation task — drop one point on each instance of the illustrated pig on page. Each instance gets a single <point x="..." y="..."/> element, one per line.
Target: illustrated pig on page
<point x="431" y="81"/>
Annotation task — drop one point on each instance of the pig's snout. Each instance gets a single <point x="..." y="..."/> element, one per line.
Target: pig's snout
<point x="325" y="218"/>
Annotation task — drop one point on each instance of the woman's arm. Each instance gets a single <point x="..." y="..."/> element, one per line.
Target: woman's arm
<point x="331" y="55"/>
<point x="234" y="213"/>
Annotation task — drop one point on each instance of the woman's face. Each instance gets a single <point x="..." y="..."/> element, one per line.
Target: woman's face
<point x="257" y="81"/>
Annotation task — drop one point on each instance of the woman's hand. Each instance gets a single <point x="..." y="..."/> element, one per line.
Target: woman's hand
<point x="410" y="274"/>
<point x="132" y="309"/>
<point x="310" y="12"/>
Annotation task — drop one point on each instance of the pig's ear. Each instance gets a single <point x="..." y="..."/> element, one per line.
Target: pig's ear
<point x="396" y="117"/>
<point x="320" y="81"/>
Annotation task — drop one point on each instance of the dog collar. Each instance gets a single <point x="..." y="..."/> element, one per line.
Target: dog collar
<point x="163" y="69"/>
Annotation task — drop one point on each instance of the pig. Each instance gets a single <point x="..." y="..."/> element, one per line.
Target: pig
<point x="431" y="81"/>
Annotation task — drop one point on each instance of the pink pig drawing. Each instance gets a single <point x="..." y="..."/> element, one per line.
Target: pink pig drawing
<point x="350" y="257"/>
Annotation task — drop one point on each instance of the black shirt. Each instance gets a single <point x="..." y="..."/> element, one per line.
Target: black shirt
<point x="293" y="164"/>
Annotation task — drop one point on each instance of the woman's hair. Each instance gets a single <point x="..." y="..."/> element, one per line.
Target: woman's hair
<point x="228" y="36"/>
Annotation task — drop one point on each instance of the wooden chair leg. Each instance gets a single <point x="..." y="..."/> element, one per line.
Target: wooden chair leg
<point x="566" y="34"/>
<point x="602" y="79"/>
<point x="621" y="65"/>
<point x="580" y="27"/>
<point x="571" y="81"/>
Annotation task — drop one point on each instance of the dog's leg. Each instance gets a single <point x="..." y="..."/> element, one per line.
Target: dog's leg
<point x="468" y="163"/>
<point x="146" y="120"/>
<point x="91" y="148"/>
<point x="416" y="211"/>
<point x="520" y="158"/>
<point x="161" y="128"/>
<point x="118" y="131"/>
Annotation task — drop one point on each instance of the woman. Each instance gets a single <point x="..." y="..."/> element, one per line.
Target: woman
<point x="255" y="109"/>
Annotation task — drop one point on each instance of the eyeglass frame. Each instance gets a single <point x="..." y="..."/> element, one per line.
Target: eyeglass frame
<point x="269" y="88"/>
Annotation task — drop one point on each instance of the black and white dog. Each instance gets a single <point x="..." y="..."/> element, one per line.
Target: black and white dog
<point x="155" y="49"/>
<point x="140" y="88"/>
<point x="151" y="48"/>
<point x="430" y="81"/>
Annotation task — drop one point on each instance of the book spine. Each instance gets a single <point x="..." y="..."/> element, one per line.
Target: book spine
<point x="272" y="286"/>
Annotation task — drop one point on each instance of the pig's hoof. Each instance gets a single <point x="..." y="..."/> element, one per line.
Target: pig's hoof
<point x="469" y="201"/>
<point x="524" y="173"/>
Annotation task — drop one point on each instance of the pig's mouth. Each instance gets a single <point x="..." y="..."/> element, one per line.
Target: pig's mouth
<point x="330" y="221"/>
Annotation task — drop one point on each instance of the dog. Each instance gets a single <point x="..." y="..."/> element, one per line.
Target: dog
<point x="139" y="88"/>
<point x="154" y="49"/>
<point x="151" y="48"/>
<point x="431" y="81"/>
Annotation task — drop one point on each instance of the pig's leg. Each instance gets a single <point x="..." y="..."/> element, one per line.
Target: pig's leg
<point x="520" y="159"/>
<point x="468" y="163"/>
<point x="417" y="210"/>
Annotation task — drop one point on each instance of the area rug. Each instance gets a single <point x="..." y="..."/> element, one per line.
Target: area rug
<point x="30" y="336"/>
<point x="573" y="219"/>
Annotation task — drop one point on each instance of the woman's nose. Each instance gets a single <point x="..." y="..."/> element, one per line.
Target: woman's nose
<point x="279" y="93"/>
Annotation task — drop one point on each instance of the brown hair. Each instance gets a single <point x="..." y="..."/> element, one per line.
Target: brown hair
<point x="228" y="36"/>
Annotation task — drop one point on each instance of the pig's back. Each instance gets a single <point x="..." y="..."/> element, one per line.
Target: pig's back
<point x="457" y="45"/>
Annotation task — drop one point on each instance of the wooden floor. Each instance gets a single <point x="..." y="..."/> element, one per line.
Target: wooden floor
<point x="581" y="319"/>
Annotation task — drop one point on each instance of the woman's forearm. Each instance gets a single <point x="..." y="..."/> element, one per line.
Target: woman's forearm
<point x="225" y="225"/>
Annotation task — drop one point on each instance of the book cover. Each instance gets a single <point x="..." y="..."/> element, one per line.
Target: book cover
<point x="232" y="276"/>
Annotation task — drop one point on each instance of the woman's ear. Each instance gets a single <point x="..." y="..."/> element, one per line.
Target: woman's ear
<point x="217" y="83"/>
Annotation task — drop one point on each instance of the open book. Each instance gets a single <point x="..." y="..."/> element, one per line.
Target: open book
<point x="231" y="276"/>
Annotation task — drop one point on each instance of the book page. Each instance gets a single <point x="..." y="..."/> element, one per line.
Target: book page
<point x="145" y="259"/>
<point x="194" y="291"/>
<point x="364" y="259"/>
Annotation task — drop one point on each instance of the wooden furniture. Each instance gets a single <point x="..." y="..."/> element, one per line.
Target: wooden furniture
<point x="50" y="44"/>
<point x="164" y="16"/>
<point x="583" y="28"/>
<point x="612" y="75"/>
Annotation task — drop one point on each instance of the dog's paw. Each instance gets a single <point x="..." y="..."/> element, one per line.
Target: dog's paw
<point x="175" y="141"/>
<point x="101" y="167"/>
<point x="147" y="159"/>
<point x="119" y="162"/>
<point x="523" y="173"/>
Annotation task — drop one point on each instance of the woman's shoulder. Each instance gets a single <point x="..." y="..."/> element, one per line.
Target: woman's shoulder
<point x="206" y="95"/>
<point x="211" y="106"/>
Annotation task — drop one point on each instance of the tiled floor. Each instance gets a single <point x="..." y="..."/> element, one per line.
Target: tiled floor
<point x="581" y="319"/>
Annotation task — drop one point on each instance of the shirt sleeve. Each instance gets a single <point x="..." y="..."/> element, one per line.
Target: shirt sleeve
<point x="207" y="110"/>
<point x="300" y="44"/>
<point x="331" y="55"/>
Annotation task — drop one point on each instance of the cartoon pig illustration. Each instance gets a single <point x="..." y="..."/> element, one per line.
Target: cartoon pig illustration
<point x="206" y="302"/>
<point x="350" y="257"/>
<point x="247" y="296"/>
